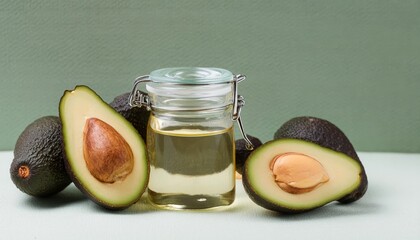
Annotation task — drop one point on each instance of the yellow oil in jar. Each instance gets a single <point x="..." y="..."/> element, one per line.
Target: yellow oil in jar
<point x="191" y="168"/>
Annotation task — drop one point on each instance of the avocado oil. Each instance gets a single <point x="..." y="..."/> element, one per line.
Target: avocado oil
<point x="191" y="168"/>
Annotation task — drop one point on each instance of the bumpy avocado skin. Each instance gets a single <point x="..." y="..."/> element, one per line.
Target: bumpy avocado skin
<point x="39" y="147"/>
<point x="138" y="117"/>
<point x="242" y="153"/>
<point x="325" y="134"/>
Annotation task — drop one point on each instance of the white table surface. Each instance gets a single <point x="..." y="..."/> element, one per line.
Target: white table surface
<point x="389" y="210"/>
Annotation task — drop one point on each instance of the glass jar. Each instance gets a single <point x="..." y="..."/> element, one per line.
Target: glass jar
<point x="190" y="136"/>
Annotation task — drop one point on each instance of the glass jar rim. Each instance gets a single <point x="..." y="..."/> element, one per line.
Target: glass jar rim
<point x="191" y="75"/>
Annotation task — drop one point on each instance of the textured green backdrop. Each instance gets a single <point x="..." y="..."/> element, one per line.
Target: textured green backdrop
<point x="355" y="63"/>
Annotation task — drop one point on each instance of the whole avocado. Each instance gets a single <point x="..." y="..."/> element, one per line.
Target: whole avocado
<point x="38" y="164"/>
<point x="138" y="117"/>
<point x="242" y="152"/>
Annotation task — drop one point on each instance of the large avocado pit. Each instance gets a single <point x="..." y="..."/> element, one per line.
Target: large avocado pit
<point x="108" y="156"/>
<point x="296" y="173"/>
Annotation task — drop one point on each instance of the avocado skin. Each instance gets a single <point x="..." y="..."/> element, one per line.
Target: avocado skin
<point x="242" y="153"/>
<point x="138" y="117"/>
<point x="325" y="134"/>
<point x="39" y="147"/>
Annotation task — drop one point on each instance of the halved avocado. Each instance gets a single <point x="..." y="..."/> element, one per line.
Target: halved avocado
<point x="105" y="155"/>
<point x="326" y="134"/>
<point x="305" y="168"/>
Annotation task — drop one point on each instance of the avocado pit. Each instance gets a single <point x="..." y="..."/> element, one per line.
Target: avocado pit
<point x="108" y="156"/>
<point x="297" y="173"/>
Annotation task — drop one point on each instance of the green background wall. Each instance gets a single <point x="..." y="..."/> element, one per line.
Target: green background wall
<point x="355" y="63"/>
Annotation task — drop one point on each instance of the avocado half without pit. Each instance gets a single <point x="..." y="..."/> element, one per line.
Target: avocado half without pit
<point x="105" y="155"/>
<point x="309" y="163"/>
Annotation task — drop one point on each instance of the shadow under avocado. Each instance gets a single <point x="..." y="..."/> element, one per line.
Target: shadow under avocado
<point x="140" y="207"/>
<point x="70" y="195"/>
<point x="332" y="210"/>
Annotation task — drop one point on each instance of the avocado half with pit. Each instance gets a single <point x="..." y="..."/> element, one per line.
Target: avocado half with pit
<point x="309" y="164"/>
<point x="105" y="155"/>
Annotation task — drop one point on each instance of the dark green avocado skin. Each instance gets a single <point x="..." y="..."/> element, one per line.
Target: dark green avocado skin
<point x="39" y="147"/>
<point x="242" y="153"/>
<point x="138" y="117"/>
<point x="325" y="134"/>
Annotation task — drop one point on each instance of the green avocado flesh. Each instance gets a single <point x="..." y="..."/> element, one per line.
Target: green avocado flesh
<point x="90" y="128"/>
<point x="343" y="172"/>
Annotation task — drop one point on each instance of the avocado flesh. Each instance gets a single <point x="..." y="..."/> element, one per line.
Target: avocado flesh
<point x="38" y="168"/>
<point x="260" y="185"/>
<point x="75" y="108"/>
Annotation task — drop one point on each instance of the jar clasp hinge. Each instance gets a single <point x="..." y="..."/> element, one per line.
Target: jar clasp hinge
<point x="139" y="98"/>
<point x="238" y="103"/>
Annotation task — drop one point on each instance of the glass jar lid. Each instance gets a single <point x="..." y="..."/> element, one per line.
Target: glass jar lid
<point x="181" y="90"/>
<point x="191" y="75"/>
